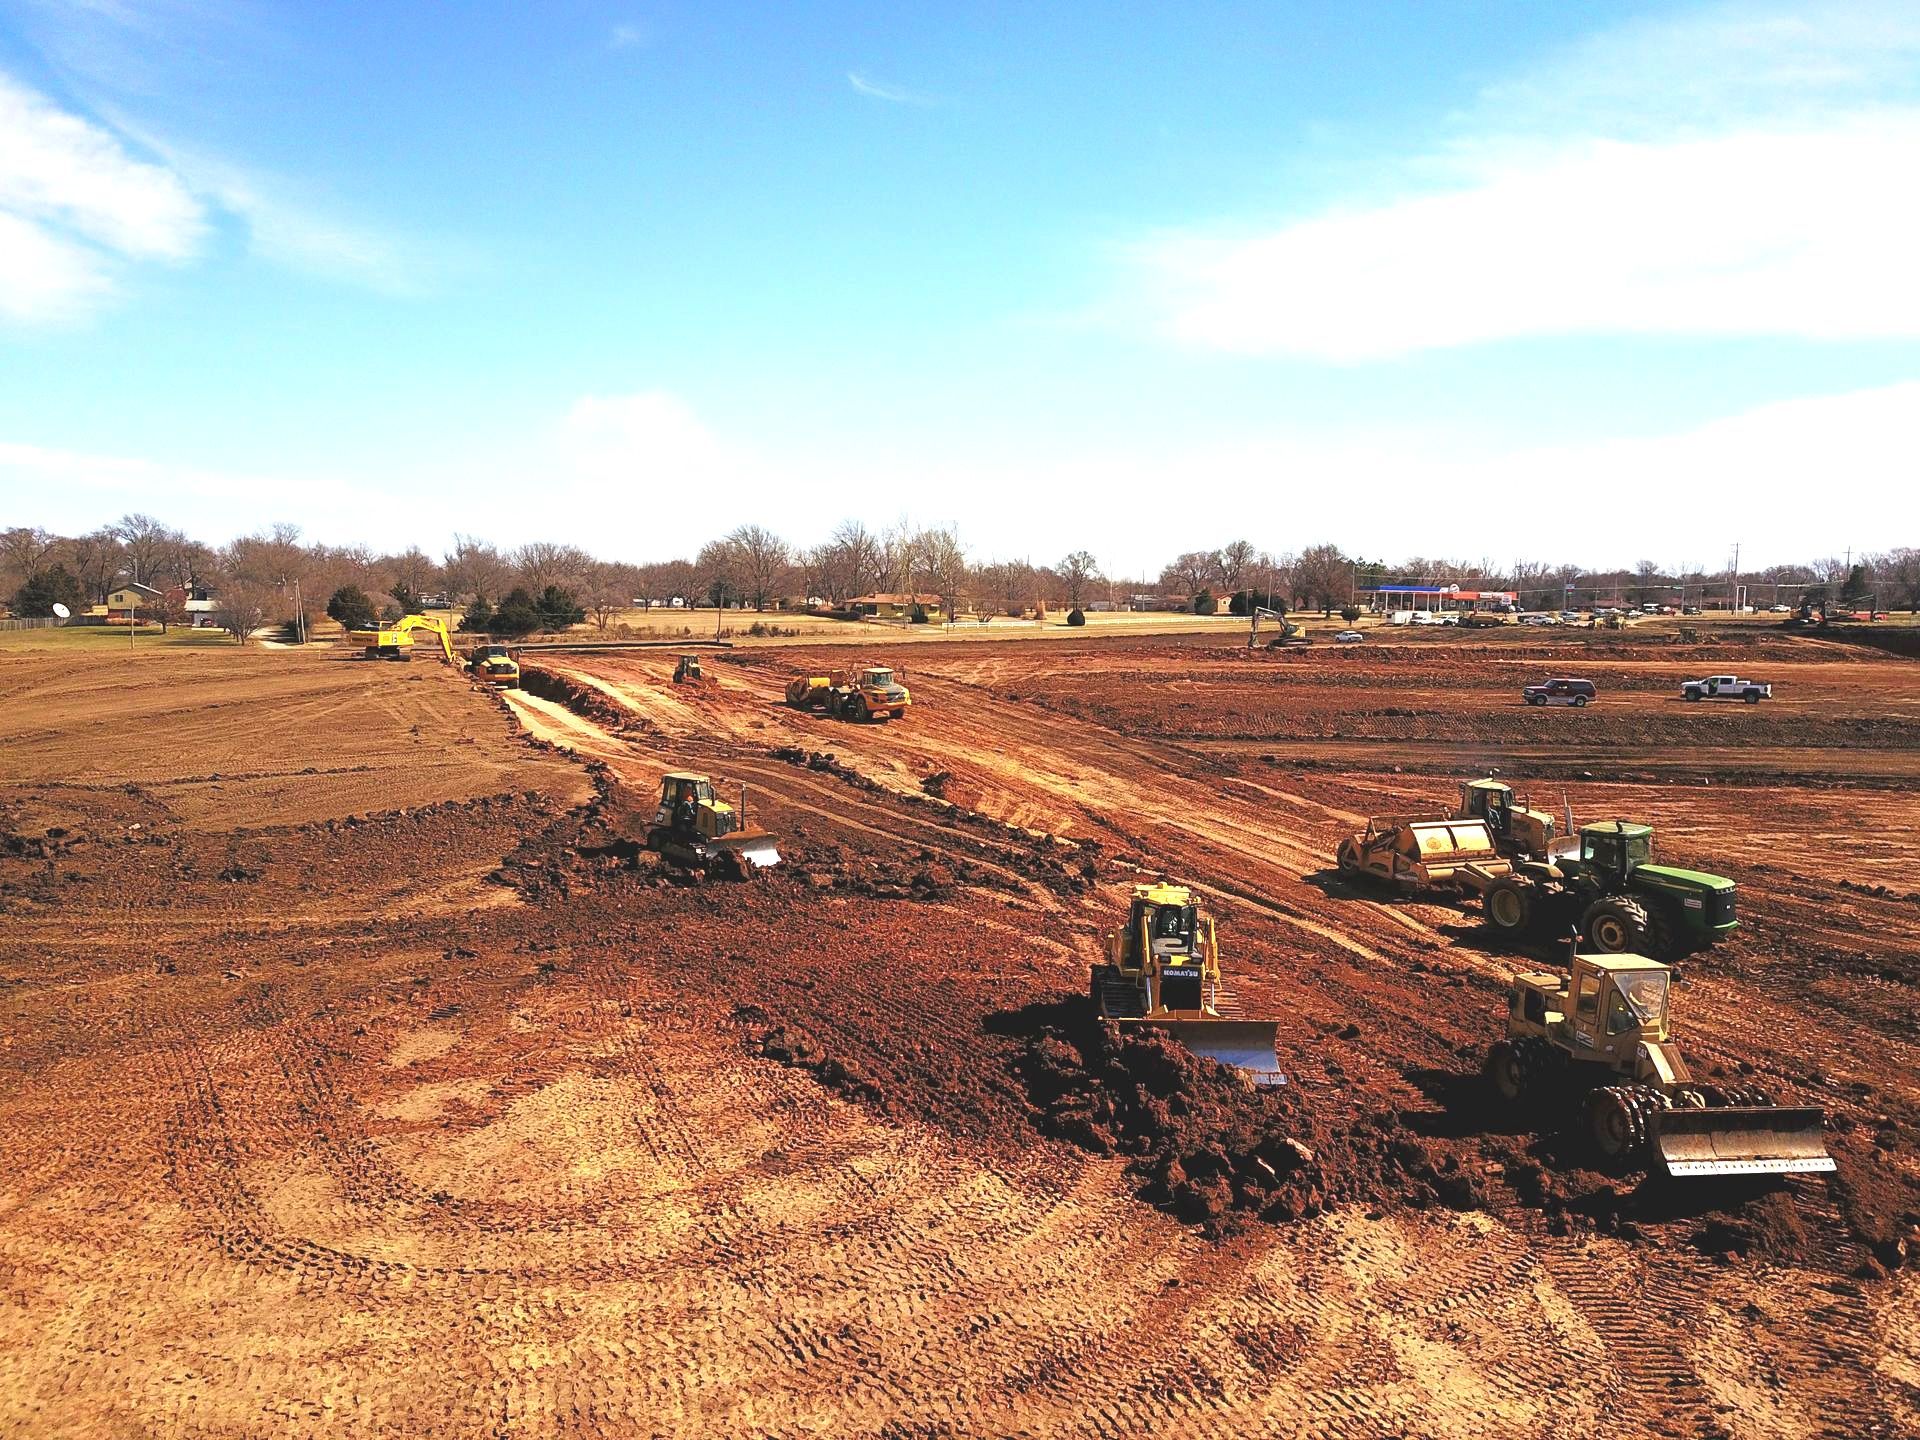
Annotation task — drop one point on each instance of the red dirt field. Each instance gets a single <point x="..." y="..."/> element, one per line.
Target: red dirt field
<point x="412" y="1099"/>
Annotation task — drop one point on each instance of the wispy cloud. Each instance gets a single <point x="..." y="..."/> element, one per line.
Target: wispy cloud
<point x="892" y="94"/>
<point x="1727" y="174"/>
<point x="75" y="205"/>
<point x="627" y="36"/>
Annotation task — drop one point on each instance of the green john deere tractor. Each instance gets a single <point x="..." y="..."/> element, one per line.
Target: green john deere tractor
<point x="1615" y="896"/>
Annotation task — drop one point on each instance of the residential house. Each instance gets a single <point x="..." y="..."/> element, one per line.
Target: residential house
<point x="895" y="607"/>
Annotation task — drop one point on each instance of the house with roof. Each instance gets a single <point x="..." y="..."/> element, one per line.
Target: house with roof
<point x="895" y="607"/>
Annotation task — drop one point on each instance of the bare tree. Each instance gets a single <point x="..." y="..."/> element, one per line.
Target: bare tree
<point x="761" y="559"/>
<point x="1191" y="573"/>
<point x="717" y="572"/>
<point x="542" y="563"/>
<point x="1897" y="572"/>
<point x="1077" y="571"/>
<point x="413" y="571"/>
<point x="23" y="550"/>
<point x="143" y="541"/>
<point x="1235" y="560"/>
<point x="1323" y="576"/>
<point x="473" y="567"/>
<point x="95" y="560"/>
<point x="943" y="561"/>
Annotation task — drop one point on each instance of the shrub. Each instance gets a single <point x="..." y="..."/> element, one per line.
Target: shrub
<point x="918" y="614"/>
<point x="1350" y="613"/>
<point x="557" y="609"/>
<point x="1205" y="604"/>
<point x="352" y="607"/>
<point x="479" y="615"/>
<point x="518" y="616"/>
<point x="54" y="585"/>
<point x="1076" y="617"/>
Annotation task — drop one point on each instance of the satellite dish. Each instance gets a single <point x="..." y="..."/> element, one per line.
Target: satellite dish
<point x="62" y="611"/>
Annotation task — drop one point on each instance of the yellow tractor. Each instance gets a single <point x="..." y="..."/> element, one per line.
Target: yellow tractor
<point x="695" y="829"/>
<point x="1162" y="972"/>
<point x="871" y="693"/>
<point x="1599" y="1037"/>
<point x="688" y="670"/>
<point x="395" y="641"/>
<point x="494" y="665"/>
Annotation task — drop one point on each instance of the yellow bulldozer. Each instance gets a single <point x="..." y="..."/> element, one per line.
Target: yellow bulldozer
<point x="1599" y="1036"/>
<point x="1162" y="971"/>
<point x="870" y="693"/>
<point x="395" y="641"/>
<point x="695" y="829"/>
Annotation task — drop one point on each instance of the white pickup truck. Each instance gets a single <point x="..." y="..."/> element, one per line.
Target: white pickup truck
<point x="1725" y="687"/>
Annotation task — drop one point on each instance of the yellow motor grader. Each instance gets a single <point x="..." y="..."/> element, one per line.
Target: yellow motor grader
<point x="1598" y="1036"/>
<point x="1162" y="971"/>
<point x="695" y="829"/>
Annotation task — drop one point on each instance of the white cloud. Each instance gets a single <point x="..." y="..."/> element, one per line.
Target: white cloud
<point x="72" y="202"/>
<point x="1604" y="196"/>
<point x="642" y="476"/>
<point x="892" y="94"/>
<point x="625" y="37"/>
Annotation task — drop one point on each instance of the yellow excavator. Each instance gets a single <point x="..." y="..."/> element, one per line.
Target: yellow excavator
<point x="395" y="641"/>
<point x="695" y="829"/>
<point x="1162" y="972"/>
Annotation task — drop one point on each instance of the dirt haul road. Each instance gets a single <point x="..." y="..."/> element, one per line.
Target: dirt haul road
<point x="333" y="1116"/>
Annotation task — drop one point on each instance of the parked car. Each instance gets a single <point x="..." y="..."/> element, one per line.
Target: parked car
<point x="1539" y="620"/>
<point x="1690" y="610"/>
<point x="1780" y="609"/>
<point x="1560" y="692"/>
<point x="1725" y="687"/>
<point x="1425" y="617"/>
<point x="1348" y="637"/>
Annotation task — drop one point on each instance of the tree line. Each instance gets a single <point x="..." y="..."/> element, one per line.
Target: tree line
<point x="275" y="576"/>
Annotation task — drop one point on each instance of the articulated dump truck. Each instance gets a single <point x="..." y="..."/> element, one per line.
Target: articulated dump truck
<point x="1162" y="972"/>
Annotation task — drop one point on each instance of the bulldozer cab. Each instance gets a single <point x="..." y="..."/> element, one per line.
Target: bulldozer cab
<point x="690" y="806"/>
<point x="1616" y="1004"/>
<point x="1164" y="929"/>
<point x="1616" y="848"/>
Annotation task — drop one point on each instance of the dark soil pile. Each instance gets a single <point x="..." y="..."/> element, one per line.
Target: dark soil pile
<point x="1212" y="1149"/>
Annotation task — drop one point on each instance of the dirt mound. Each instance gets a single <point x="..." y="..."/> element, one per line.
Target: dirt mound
<point x="1207" y="1145"/>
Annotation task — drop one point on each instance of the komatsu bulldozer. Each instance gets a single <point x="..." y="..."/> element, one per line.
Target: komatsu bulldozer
<point x="1599" y="1037"/>
<point x="1162" y="971"/>
<point x="695" y="829"/>
<point x="687" y="670"/>
<point x="395" y="641"/>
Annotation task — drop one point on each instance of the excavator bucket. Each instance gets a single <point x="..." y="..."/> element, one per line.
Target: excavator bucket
<point x="1742" y="1140"/>
<point x="1247" y="1045"/>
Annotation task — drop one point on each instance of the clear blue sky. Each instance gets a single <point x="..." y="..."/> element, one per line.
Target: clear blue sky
<point x="1138" y="278"/>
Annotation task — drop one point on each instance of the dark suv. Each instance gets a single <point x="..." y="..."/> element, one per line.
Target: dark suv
<point x="1559" y="692"/>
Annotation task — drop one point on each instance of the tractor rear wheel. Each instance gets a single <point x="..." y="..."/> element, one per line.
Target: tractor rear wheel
<point x="1508" y="907"/>
<point x="1610" y="1120"/>
<point x="1507" y="1069"/>
<point x="1616" y="926"/>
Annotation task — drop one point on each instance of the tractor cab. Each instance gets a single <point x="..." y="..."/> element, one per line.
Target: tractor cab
<point x="1489" y="800"/>
<point x="1517" y="830"/>
<point x="1614" y="849"/>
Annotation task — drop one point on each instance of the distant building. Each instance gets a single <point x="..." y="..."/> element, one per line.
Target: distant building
<point x="894" y="607"/>
<point x="131" y="596"/>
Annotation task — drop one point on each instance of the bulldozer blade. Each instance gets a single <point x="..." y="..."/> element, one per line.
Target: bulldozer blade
<point x="1742" y="1140"/>
<point x="1247" y="1045"/>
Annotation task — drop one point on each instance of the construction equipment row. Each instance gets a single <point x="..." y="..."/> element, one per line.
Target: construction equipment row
<point x="489" y="663"/>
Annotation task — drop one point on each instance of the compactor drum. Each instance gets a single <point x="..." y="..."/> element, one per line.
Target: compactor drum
<point x="1598" y="1040"/>
<point x="697" y="830"/>
<point x="1162" y="971"/>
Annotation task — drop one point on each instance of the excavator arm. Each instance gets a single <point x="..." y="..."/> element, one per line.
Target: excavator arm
<point x="438" y="627"/>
